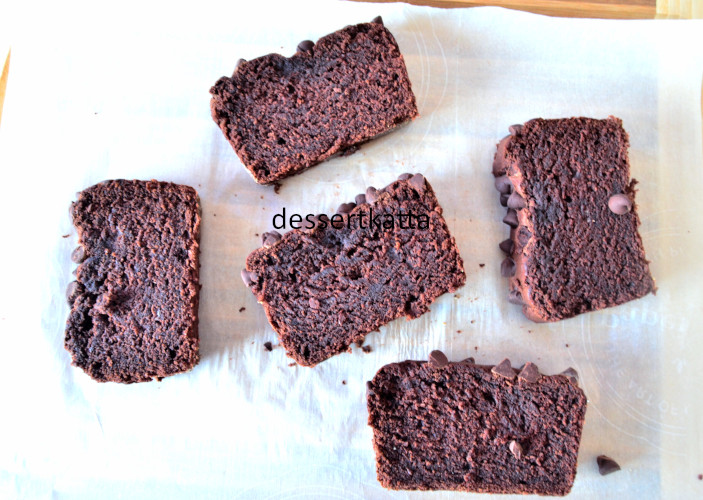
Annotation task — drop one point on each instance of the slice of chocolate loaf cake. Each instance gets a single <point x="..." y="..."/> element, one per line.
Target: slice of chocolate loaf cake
<point x="134" y="304"/>
<point x="387" y="255"/>
<point x="283" y="115"/>
<point x="574" y="245"/>
<point x="460" y="426"/>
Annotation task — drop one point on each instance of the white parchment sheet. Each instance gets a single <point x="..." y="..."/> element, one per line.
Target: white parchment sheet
<point x="122" y="92"/>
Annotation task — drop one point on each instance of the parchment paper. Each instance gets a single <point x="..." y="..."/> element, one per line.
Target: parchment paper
<point x="122" y="92"/>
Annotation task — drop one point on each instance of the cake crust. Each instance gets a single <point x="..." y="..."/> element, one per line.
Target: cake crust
<point x="284" y="115"/>
<point x="574" y="245"/>
<point x="134" y="304"/>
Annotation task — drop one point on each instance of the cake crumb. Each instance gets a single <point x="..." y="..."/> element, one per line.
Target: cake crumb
<point x="457" y="296"/>
<point x="359" y="343"/>
<point x="277" y="187"/>
<point x="214" y="215"/>
<point x="481" y="265"/>
<point x="344" y="382"/>
<point x="268" y="346"/>
<point x="567" y="345"/>
<point x="367" y="349"/>
<point x="65" y="235"/>
<point x="700" y="477"/>
<point x="242" y="309"/>
<point x="473" y="321"/>
<point x="476" y="348"/>
<point x="458" y="331"/>
<point x="292" y="364"/>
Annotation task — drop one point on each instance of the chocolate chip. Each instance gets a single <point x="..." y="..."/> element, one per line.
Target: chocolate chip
<point x="360" y="199"/>
<point x="404" y="177"/>
<point x="507" y="246"/>
<point x="523" y="236"/>
<point x="516" y="202"/>
<point x="606" y="465"/>
<point x="417" y="182"/>
<point x="345" y="208"/>
<point x="377" y="20"/>
<point x="504" y="199"/>
<point x="71" y="292"/>
<point x="515" y="129"/>
<point x="514" y="297"/>
<point x="306" y="46"/>
<point x="438" y="359"/>
<point x="529" y="373"/>
<point x="572" y="375"/>
<point x="511" y="218"/>
<point x="516" y="449"/>
<point x="78" y="255"/>
<point x="249" y="277"/>
<point x="503" y="369"/>
<point x="268" y="346"/>
<point x="503" y="184"/>
<point x="270" y="238"/>
<point x="619" y="204"/>
<point x="499" y="158"/>
<point x="508" y="268"/>
<point x="372" y="194"/>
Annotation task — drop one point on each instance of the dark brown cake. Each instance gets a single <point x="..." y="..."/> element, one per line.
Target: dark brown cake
<point x="460" y="426"/>
<point x="574" y="245"/>
<point x="134" y="304"/>
<point x="325" y="288"/>
<point x="283" y="115"/>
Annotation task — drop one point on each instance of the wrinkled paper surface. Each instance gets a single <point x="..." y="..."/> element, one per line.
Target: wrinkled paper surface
<point x="123" y="93"/>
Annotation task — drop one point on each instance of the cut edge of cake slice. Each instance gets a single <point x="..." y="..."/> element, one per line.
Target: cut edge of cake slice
<point x="323" y="235"/>
<point x="226" y="114"/>
<point x="117" y="330"/>
<point x="441" y="425"/>
<point x="567" y="201"/>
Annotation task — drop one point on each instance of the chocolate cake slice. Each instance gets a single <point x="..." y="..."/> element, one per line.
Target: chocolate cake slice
<point x="486" y="429"/>
<point x="134" y="304"/>
<point x="334" y="280"/>
<point x="574" y="245"/>
<point x="284" y="115"/>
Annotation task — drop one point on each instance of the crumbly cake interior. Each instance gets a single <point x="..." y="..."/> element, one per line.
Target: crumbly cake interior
<point x="327" y="288"/>
<point x="284" y="115"/>
<point x="134" y="303"/>
<point x="464" y="427"/>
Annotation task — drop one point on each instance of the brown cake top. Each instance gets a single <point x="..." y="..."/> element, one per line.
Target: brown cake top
<point x="326" y="287"/>
<point x="283" y="115"/>
<point x="440" y="425"/>
<point x="575" y="245"/>
<point x="134" y="304"/>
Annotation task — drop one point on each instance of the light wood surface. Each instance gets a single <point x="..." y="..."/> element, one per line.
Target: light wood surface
<point x="606" y="9"/>
<point x="3" y="81"/>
